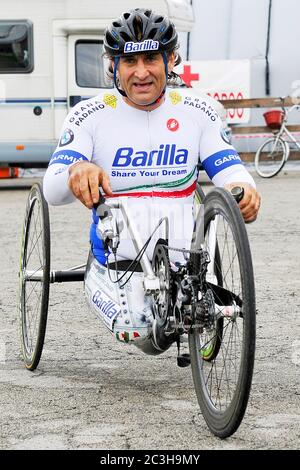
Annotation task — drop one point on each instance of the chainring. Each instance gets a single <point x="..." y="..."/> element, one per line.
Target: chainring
<point x="162" y="269"/>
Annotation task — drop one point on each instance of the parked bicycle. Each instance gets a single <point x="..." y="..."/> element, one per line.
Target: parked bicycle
<point x="272" y="155"/>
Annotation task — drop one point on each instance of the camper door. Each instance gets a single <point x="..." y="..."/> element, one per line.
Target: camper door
<point x="86" y="68"/>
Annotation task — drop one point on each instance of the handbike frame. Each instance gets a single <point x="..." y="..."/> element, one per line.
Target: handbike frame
<point x="151" y="282"/>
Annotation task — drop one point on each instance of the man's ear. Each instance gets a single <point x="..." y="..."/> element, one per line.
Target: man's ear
<point x="171" y="61"/>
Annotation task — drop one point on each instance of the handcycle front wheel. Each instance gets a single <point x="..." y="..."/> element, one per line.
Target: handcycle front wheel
<point x="34" y="277"/>
<point x="222" y="353"/>
<point x="213" y="337"/>
<point x="271" y="157"/>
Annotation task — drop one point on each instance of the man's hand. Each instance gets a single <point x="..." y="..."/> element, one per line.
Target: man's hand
<point x="250" y="203"/>
<point x="84" y="181"/>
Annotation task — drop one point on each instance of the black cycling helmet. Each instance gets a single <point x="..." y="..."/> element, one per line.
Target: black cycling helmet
<point x="137" y="26"/>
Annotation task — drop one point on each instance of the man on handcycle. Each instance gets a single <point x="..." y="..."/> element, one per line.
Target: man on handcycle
<point x="144" y="141"/>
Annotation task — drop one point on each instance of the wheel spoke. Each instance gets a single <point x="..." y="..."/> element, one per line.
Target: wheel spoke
<point x="35" y="245"/>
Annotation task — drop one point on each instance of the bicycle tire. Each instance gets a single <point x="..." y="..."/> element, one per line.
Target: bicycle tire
<point x="34" y="294"/>
<point x="213" y="346"/>
<point x="269" y="164"/>
<point x="213" y="338"/>
<point x="200" y="195"/>
<point x="223" y="383"/>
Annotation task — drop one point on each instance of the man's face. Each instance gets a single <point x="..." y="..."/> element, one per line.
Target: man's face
<point x="142" y="77"/>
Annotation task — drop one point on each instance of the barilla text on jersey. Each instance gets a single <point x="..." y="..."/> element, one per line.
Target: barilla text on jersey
<point x="148" y="45"/>
<point x="166" y="155"/>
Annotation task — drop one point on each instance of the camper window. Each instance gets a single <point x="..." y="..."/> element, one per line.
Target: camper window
<point x="89" y="64"/>
<point x="16" y="46"/>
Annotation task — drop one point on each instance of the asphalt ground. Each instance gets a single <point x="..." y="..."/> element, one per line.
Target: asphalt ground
<point x="91" y="392"/>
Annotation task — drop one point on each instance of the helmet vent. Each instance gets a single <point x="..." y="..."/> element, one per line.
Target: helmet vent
<point x="138" y="28"/>
<point x="116" y="24"/>
<point x="167" y="35"/>
<point x="151" y="33"/>
<point x="159" y="19"/>
<point x="125" y="36"/>
<point x="111" y="41"/>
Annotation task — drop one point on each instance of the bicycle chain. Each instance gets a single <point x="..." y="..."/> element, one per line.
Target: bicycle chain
<point x="204" y="256"/>
<point x="182" y="250"/>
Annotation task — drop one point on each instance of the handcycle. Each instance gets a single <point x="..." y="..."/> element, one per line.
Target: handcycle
<point x="272" y="154"/>
<point x="210" y="299"/>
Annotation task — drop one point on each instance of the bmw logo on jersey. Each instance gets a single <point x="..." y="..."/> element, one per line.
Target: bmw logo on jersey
<point x="66" y="138"/>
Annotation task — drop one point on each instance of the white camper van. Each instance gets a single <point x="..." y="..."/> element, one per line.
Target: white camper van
<point x="51" y="58"/>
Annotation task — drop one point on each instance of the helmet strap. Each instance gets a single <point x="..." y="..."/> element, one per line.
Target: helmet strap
<point x="116" y="64"/>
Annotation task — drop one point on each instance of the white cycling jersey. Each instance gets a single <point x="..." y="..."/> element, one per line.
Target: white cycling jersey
<point x="151" y="157"/>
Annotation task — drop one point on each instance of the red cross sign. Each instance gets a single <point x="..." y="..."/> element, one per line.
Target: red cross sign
<point x="187" y="76"/>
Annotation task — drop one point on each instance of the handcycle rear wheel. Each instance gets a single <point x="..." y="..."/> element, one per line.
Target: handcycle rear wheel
<point x="34" y="277"/>
<point x="271" y="157"/>
<point x="223" y="380"/>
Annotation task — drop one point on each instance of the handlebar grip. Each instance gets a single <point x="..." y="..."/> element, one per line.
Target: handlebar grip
<point x="238" y="193"/>
<point x="101" y="201"/>
<point x="102" y="209"/>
